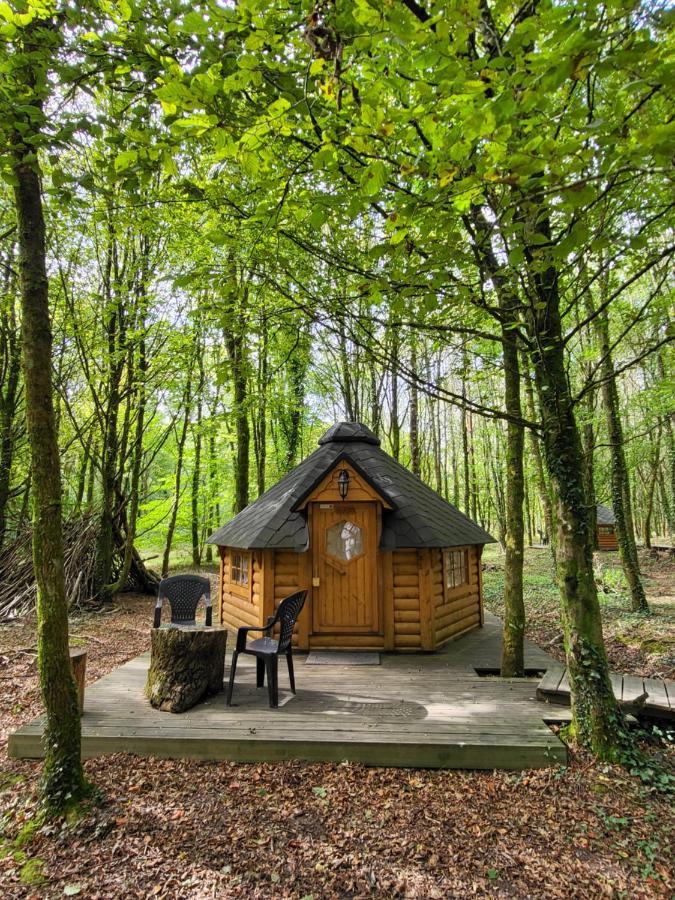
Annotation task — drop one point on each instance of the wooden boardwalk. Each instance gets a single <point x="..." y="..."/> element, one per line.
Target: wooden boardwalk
<point x="641" y="696"/>
<point x="421" y="710"/>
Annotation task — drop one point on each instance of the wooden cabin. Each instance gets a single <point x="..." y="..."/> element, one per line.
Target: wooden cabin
<point x="606" y="524"/>
<point x="387" y="562"/>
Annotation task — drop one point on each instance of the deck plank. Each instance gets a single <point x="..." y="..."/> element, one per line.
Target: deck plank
<point x="419" y="710"/>
<point x="627" y="689"/>
<point x="658" y="696"/>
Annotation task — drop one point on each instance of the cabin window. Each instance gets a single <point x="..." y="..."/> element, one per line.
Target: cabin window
<point x="456" y="568"/>
<point x="344" y="541"/>
<point x="240" y="572"/>
<point x="605" y="529"/>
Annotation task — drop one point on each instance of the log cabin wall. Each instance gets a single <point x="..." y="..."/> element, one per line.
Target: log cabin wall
<point x="607" y="538"/>
<point x="241" y="606"/>
<point x="456" y="609"/>
<point x="407" y="624"/>
<point x="419" y="611"/>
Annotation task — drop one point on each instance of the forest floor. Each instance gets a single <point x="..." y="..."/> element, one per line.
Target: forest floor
<point x="172" y="829"/>
<point x="636" y="644"/>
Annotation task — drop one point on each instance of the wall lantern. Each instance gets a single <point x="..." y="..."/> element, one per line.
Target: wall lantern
<point x="343" y="483"/>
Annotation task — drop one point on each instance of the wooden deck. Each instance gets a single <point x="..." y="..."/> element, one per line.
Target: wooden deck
<point x="653" y="697"/>
<point x="421" y="710"/>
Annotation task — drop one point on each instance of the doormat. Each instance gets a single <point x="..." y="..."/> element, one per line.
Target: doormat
<point x="342" y="658"/>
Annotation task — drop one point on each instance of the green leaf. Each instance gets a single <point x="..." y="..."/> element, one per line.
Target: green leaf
<point x="374" y="178"/>
<point x="320" y="792"/>
<point x="125" y="160"/>
<point x="71" y="889"/>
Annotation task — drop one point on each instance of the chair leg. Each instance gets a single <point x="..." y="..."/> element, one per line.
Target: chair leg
<point x="291" y="674"/>
<point x="275" y="676"/>
<point x="269" y="665"/>
<point x="230" y="686"/>
<point x="260" y="672"/>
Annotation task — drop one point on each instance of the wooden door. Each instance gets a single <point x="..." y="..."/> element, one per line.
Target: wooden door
<point x="344" y="592"/>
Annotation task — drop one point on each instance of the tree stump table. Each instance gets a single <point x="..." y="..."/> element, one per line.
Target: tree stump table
<point x="187" y="664"/>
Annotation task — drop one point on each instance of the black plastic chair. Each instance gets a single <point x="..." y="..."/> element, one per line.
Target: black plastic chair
<point x="183" y="593"/>
<point x="267" y="650"/>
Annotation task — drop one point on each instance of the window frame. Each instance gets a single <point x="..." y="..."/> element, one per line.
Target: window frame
<point x="450" y="565"/>
<point x="245" y="591"/>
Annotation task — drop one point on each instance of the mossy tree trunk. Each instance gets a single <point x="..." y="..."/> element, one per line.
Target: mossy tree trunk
<point x="63" y="782"/>
<point x="596" y="723"/>
<point x="513" y="633"/>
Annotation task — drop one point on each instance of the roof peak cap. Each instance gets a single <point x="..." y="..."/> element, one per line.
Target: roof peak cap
<point x="349" y="432"/>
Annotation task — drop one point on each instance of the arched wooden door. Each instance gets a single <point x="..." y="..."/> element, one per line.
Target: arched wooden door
<point x="344" y="555"/>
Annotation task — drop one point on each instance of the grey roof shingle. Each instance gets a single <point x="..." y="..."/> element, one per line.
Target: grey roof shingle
<point x="420" y="517"/>
<point x="605" y="515"/>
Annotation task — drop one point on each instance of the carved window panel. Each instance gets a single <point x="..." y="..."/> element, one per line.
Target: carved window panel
<point x="344" y="541"/>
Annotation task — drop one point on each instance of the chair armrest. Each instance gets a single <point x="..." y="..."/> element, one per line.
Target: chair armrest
<point x="209" y="612"/>
<point x="158" y="613"/>
<point x="243" y="631"/>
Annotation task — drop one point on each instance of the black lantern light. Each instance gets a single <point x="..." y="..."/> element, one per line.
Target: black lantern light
<point x="343" y="483"/>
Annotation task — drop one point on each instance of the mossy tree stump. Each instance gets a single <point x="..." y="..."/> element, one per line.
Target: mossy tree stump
<point x="187" y="664"/>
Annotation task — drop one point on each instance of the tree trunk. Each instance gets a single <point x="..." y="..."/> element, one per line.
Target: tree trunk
<point x="211" y="505"/>
<point x="395" y="422"/>
<point x="655" y="462"/>
<point x="513" y="631"/>
<point x="260" y="418"/>
<point x="539" y="476"/>
<point x="243" y="434"/>
<point x="63" y="782"/>
<point x="465" y="455"/>
<point x="196" y="468"/>
<point x="621" y="500"/>
<point x="589" y="472"/>
<point x="415" y="463"/>
<point x="180" y="452"/>
<point x="109" y="453"/>
<point x="137" y="453"/>
<point x="11" y="353"/>
<point x="596" y="721"/>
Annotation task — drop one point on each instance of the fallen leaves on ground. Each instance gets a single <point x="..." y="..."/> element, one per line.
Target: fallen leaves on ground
<point x="178" y="829"/>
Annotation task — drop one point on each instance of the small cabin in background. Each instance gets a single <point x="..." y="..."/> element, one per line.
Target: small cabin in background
<point x="606" y="528"/>
<point x="387" y="562"/>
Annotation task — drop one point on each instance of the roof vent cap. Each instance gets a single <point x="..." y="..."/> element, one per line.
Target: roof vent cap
<point x="349" y="432"/>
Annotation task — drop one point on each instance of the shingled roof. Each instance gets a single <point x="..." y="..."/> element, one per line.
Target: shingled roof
<point x="419" y="518"/>
<point x="605" y="516"/>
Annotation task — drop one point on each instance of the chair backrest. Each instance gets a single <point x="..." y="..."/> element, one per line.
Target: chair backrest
<point x="287" y="615"/>
<point x="184" y="593"/>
